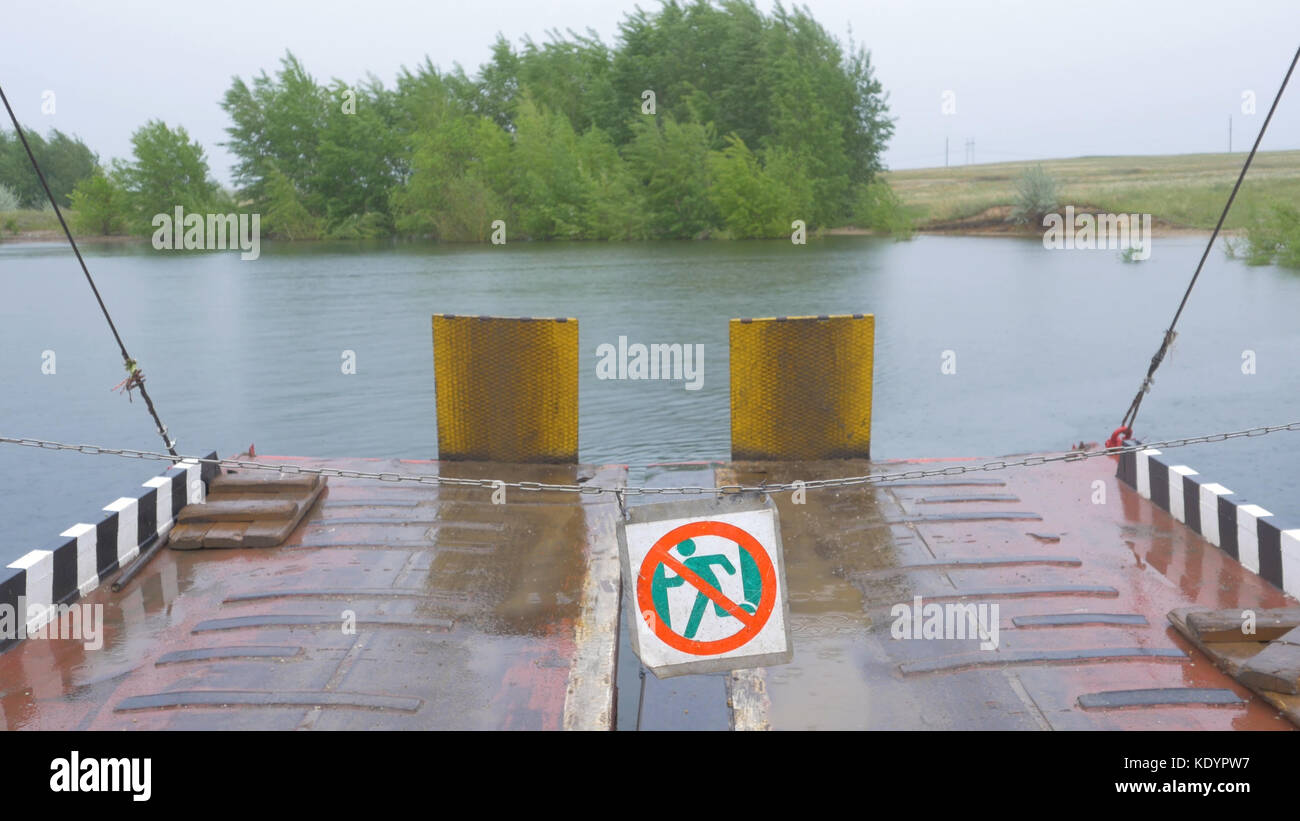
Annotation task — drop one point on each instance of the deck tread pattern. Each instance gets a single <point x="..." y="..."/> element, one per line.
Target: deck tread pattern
<point x="453" y="612"/>
<point x="892" y="589"/>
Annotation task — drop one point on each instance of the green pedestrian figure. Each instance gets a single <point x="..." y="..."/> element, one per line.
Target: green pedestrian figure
<point x="702" y="566"/>
<point x="752" y="579"/>
<point x="659" y="585"/>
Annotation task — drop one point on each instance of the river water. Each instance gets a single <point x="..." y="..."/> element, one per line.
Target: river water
<point x="1048" y="348"/>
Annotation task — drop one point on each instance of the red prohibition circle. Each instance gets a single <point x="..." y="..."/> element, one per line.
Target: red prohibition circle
<point x="752" y="624"/>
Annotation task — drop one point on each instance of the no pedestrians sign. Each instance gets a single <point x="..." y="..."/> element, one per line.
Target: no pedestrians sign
<point x="705" y="583"/>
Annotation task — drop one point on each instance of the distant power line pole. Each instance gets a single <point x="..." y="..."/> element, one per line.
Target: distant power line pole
<point x="1229" y="133"/>
<point x="945" y="152"/>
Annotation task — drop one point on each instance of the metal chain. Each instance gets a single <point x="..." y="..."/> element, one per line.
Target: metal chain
<point x="622" y="491"/>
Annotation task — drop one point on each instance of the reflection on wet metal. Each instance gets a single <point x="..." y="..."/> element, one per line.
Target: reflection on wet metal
<point x="1075" y="619"/>
<point x="256" y="698"/>
<point x="695" y="702"/>
<point x="167" y="588"/>
<point x="853" y="553"/>
<point x="830" y="624"/>
<point x="975" y="562"/>
<point x="210" y="653"/>
<point x="531" y="638"/>
<point x="984" y="497"/>
<point x="1033" y="590"/>
<point x="483" y="616"/>
<point x="1000" y="659"/>
<point x="240" y="622"/>
<point x="990" y="516"/>
<point x="968" y="481"/>
<point x="946" y="518"/>
<point x="336" y="592"/>
<point x="1160" y="697"/>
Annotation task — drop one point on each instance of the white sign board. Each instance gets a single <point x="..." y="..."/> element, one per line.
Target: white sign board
<point x="705" y="585"/>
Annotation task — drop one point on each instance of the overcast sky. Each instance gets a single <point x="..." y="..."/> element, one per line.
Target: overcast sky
<point x="1029" y="79"/>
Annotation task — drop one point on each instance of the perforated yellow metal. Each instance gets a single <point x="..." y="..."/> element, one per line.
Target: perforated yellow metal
<point x="507" y="388"/>
<point x="801" y="387"/>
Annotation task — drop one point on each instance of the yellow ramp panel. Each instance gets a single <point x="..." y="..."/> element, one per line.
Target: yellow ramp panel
<point x="507" y="388"/>
<point x="801" y="387"/>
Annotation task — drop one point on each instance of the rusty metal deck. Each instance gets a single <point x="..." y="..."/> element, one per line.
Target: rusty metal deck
<point x="467" y="615"/>
<point x="475" y="615"/>
<point x="1083" y="591"/>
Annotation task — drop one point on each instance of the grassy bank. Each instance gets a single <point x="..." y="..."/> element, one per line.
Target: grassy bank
<point x="28" y="223"/>
<point x="1179" y="191"/>
<point x="31" y="225"/>
<point x="1182" y="191"/>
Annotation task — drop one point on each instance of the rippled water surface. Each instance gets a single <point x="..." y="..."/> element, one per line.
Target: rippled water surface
<point x="1049" y="347"/>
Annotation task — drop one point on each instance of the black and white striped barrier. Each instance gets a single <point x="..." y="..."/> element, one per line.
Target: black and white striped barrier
<point x="1246" y="532"/>
<point x="86" y="554"/>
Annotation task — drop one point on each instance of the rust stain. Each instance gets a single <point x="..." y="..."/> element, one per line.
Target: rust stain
<point x="473" y="639"/>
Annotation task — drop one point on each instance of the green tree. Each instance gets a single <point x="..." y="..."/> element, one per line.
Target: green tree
<point x="574" y="77"/>
<point x="756" y="199"/>
<point x="284" y="215"/>
<point x="167" y="170"/>
<point x="704" y="63"/>
<point x="460" y="171"/>
<point x="355" y="171"/>
<point x="99" y="206"/>
<point x="340" y="146"/>
<point x="670" y="161"/>
<point x="879" y="208"/>
<point x="495" y="92"/>
<point x="612" y="201"/>
<point x="276" y="124"/>
<point x="65" y="161"/>
<point x="552" y="137"/>
<point x="548" y="191"/>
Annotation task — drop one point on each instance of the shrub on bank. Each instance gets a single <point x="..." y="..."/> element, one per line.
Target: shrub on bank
<point x="1036" y="196"/>
<point x="1274" y="236"/>
<point x="879" y="208"/>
